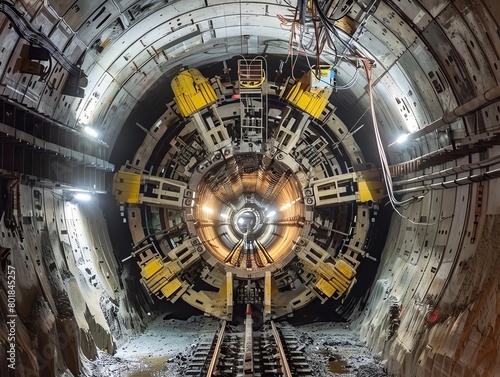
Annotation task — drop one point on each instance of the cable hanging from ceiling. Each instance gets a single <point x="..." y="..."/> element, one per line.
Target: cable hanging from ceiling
<point x="321" y="17"/>
<point x="314" y="33"/>
<point x="386" y="173"/>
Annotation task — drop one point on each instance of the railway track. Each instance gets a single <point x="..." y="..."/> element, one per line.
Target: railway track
<point x="241" y="351"/>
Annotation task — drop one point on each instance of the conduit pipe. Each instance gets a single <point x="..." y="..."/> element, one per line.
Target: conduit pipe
<point x="481" y="177"/>
<point x="450" y="171"/>
<point x="475" y="104"/>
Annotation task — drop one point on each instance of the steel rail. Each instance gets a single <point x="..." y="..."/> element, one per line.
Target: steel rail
<point x="284" y="363"/>
<point x="215" y="356"/>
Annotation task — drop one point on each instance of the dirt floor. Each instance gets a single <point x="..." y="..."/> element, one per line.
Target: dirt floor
<point x="164" y="349"/>
<point x="160" y="351"/>
<point x="333" y="349"/>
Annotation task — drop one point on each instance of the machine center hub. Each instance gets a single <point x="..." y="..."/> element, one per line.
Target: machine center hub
<point x="248" y="221"/>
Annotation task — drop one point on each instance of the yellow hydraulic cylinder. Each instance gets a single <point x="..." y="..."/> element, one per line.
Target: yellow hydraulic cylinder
<point x="192" y="92"/>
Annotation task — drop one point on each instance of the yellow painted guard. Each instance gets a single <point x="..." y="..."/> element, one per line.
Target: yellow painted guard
<point x="170" y="288"/>
<point x="325" y="287"/>
<point x="192" y="92"/>
<point x="311" y="100"/>
<point x="345" y="269"/>
<point x="370" y="187"/>
<point x="151" y="268"/>
<point x="126" y="187"/>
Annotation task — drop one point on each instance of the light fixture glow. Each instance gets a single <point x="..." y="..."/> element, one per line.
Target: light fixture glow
<point x="207" y="210"/>
<point x="91" y="131"/>
<point x="402" y="139"/>
<point x="271" y="214"/>
<point x="83" y="197"/>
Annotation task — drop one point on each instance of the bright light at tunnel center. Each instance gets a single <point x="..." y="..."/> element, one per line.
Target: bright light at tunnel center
<point x="245" y="236"/>
<point x="271" y="214"/>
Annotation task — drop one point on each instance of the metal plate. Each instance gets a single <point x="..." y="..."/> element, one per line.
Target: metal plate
<point x="52" y="89"/>
<point x="45" y="20"/>
<point x="414" y="12"/>
<point x="60" y="6"/>
<point x="434" y="7"/>
<point x="115" y="117"/>
<point x="65" y="110"/>
<point x="119" y="47"/>
<point x="377" y="50"/>
<point x="9" y="39"/>
<point x="122" y="68"/>
<point x="125" y="4"/>
<point x="424" y="93"/>
<point x="391" y="41"/>
<point x="473" y="62"/>
<point x="386" y="95"/>
<point x="413" y="109"/>
<point x="80" y="12"/>
<point x="434" y="74"/>
<point x="94" y="101"/>
<point x="74" y="50"/>
<point x="60" y="35"/>
<point x="105" y="92"/>
<point x="140" y="83"/>
<point x="386" y="16"/>
<point x="98" y="22"/>
<point x="483" y="23"/>
<point x="85" y="110"/>
<point x="449" y="61"/>
<point x="14" y="85"/>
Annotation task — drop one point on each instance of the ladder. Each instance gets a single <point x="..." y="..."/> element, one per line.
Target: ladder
<point x="253" y="101"/>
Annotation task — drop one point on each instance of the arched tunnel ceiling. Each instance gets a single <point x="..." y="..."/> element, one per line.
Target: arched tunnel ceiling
<point x="430" y="56"/>
<point x="418" y="73"/>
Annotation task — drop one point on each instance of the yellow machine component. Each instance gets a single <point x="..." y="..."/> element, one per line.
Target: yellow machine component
<point x="325" y="287"/>
<point x="170" y="288"/>
<point x="333" y="279"/>
<point x="126" y="187"/>
<point x="192" y="92"/>
<point x="370" y="187"/>
<point x="151" y="268"/>
<point x="346" y="270"/>
<point x="160" y="277"/>
<point x="307" y="97"/>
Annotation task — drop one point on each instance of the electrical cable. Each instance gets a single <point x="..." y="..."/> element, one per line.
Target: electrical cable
<point x="327" y="22"/>
<point x="368" y="65"/>
<point x="28" y="32"/>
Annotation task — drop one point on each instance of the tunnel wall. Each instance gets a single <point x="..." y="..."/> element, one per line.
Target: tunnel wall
<point x="69" y="301"/>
